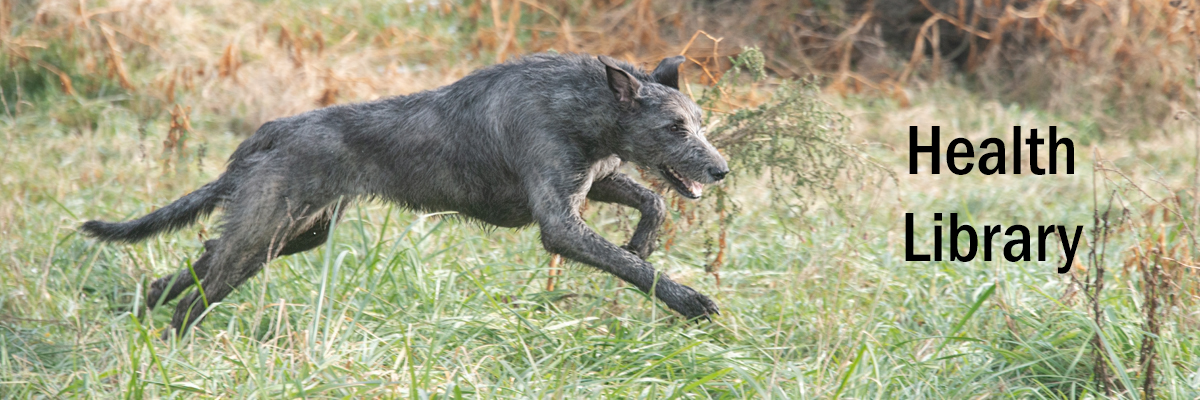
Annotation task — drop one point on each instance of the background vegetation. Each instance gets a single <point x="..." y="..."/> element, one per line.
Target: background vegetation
<point x="112" y="108"/>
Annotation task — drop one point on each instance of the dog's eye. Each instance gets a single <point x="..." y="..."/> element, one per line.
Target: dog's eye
<point x="678" y="129"/>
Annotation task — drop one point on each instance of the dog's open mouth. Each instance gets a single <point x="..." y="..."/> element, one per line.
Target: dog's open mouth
<point x="686" y="187"/>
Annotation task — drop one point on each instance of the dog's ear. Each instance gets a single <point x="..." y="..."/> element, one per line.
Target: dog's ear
<point x="623" y="85"/>
<point x="667" y="71"/>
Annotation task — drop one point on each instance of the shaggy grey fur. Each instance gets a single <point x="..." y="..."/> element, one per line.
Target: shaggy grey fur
<point x="512" y="144"/>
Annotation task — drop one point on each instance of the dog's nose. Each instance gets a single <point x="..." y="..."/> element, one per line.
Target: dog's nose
<point x="717" y="173"/>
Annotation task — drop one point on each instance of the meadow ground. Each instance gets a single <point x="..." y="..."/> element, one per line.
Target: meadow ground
<point x="815" y="303"/>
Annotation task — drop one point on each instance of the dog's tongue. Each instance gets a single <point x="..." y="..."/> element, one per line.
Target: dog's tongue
<point x="695" y="187"/>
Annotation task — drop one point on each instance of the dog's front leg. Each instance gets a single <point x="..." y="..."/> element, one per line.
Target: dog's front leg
<point x="563" y="232"/>
<point x="620" y="189"/>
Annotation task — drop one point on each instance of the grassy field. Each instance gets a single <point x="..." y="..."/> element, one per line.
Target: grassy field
<point x="816" y="301"/>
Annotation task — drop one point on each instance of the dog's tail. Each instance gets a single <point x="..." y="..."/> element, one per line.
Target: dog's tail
<point x="179" y="214"/>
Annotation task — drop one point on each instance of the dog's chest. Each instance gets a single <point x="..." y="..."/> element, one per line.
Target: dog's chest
<point x="508" y="205"/>
<point x="605" y="167"/>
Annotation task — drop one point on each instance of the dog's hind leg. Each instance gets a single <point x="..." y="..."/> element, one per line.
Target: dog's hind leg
<point x="620" y="189"/>
<point x="261" y="223"/>
<point x="171" y="286"/>
<point x="313" y="236"/>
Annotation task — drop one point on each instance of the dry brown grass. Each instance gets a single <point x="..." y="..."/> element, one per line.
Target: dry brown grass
<point x="1116" y="66"/>
<point x="238" y="59"/>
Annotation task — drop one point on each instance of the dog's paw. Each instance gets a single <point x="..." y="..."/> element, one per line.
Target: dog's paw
<point x="693" y="305"/>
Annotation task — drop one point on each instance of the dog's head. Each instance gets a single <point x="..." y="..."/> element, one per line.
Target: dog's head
<point x="661" y="128"/>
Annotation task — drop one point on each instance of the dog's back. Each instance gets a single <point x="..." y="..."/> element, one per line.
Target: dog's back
<point x="460" y="147"/>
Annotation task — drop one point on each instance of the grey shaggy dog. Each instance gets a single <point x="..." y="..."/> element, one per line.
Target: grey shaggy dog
<point x="513" y="144"/>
